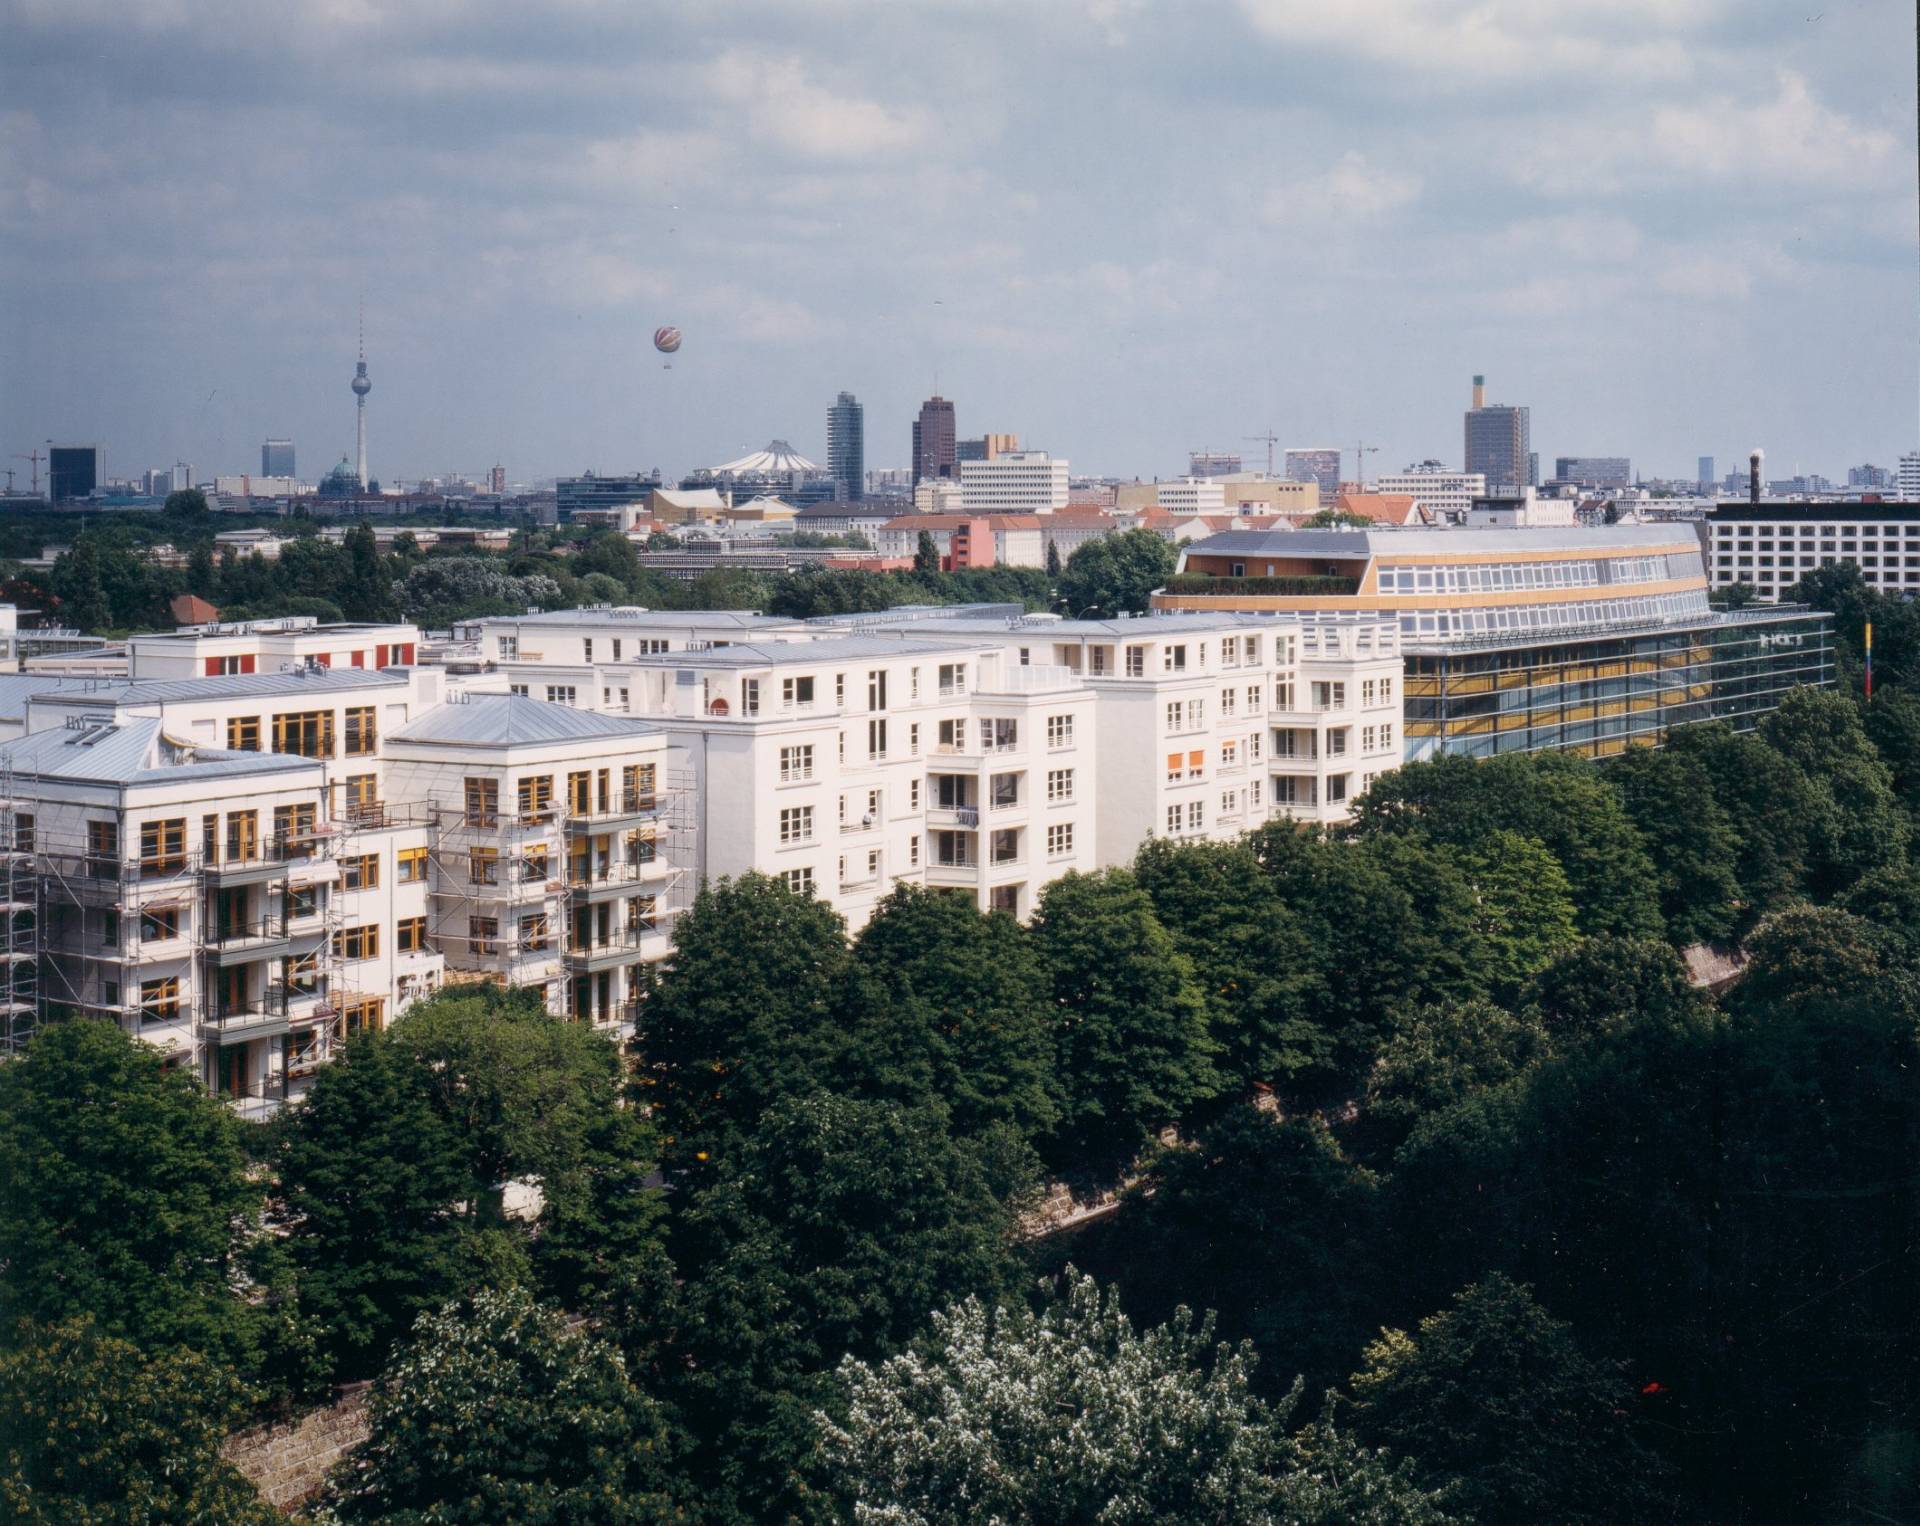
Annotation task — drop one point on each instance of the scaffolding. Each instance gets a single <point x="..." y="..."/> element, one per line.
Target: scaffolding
<point x="20" y="905"/>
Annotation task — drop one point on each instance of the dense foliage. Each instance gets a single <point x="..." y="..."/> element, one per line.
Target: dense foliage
<point x="1427" y="1112"/>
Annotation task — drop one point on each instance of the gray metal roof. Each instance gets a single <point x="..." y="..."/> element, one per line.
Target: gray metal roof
<point x="238" y="685"/>
<point x="629" y="615"/>
<point x="507" y="720"/>
<point x="1140" y="628"/>
<point x="17" y="688"/>
<point x="1594" y="539"/>
<point x="136" y="750"/>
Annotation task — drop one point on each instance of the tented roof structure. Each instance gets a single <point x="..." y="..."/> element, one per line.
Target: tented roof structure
<point x="779" y="459"/>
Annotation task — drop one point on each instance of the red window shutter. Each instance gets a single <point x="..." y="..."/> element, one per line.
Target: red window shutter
<point x="359" y="659"/>
<point x="325" y="659"/>
<point x="246" y="663"/>
<point x="403" y="655"/>
<point x="379" y="656"/>
<point x="213" y="667"/>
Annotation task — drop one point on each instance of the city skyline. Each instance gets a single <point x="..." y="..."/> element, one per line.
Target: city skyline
<point x="1743" y="194"/>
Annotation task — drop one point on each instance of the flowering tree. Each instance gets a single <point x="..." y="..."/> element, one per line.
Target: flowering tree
<point x="1073" y="1415"/>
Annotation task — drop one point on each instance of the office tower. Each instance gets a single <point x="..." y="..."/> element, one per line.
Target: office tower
<point x="1594" y="471"/>
<point x="933" y="439"/>
<point x="1498" y="442"/>
<point x="1316" y="464"/>
<point x="847" y="448"/>
<point x="73" y="471"/>
<point x="1212" y="463"/>
<point x="986" y="447"/>
<point x="1908" y="480"/>
<point x="1018" y="482"/>
<point x="497" y="481"/>
<point x="276" y="458"/>
<point x="1705" y="475"/>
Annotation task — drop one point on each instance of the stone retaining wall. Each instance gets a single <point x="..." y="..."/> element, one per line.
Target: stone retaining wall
<point x="288" y="1461"/>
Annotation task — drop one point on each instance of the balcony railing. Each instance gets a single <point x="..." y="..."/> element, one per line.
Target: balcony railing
<point x="622" y="803"/>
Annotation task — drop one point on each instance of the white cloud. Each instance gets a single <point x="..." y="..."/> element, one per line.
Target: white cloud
<point x="1350" y="190"/>
<point x="1790" y="140"/>
<point x="782" y="107"/>
<point x="1459" y="44"/>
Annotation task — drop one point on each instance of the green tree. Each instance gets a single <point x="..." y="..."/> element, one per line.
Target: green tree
<point x="125" y="1196"/>
<point x="1254" y="966"/>
<point x="1053" y="559"/>
<point x="496" y="1410"/>
<point x="1524" y="909"/>
<point x="1438" y="1056"/>
<point x="97" y="1431"/>
<point x="1495" y="1393"/>
<point x="371" y="1178"/>
<point x="185" y="501"/>
<point x="746" y="1013"/>
<point x="1690" y="838"/>
<point x="1607" y="982"/>
<point x="1889" y="899"/>
<point x="926" y="556"/>
<point x="966" y="995"/>
<point x="1858" y="823"/>
<point x="1266" y="1222"/>
<point x="1130" y="1029"/>
<point x="1073" y="1415"/>
<point x="1117" y="573"/>
<point x="367" y="592"/>
<point x="201" y="576"/>
<point x="1769" y="805"/>
<point x="839" y="1226"/>
<point x="77" y="584"/>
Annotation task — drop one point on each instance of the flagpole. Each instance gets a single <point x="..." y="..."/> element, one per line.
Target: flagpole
<point x="1869" y="660"/>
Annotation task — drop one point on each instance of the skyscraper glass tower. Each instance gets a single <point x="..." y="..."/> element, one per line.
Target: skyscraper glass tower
<point x="1498" y="443"/>
<point x="847" y="448"/>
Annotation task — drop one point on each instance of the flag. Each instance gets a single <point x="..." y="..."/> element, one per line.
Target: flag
<point x="1869" y="659"/>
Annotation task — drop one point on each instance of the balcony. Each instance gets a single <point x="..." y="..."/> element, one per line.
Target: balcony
<point x="612" y="882"/>
<point x="254" y="863"/>
<point x="256" y="1018"/>
<point x="963" y="817"/>
<point x="621" y="947"/>
<point x="240" y="942"/>
<point x="629" y="808"/>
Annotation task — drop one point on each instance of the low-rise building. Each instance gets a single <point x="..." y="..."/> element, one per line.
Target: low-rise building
<point x="1014" y="482"/>
<point x="1771" y="546"/>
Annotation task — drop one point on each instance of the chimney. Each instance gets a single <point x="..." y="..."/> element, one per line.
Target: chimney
<point x="1479" y="392"/>
<point x="1753" y="476"/>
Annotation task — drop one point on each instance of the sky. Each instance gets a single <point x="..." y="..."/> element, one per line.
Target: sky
<point x="1120" y="229"/>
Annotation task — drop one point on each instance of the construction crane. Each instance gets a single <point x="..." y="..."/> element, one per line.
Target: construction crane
<point x="1361" y="450"/>
<point x="36" y="458"/>
<point x="1272" y="440"/>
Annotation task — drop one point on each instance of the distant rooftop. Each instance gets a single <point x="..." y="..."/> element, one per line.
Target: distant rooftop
<point x="133" y="751"/>
<point x="506" y="720"/>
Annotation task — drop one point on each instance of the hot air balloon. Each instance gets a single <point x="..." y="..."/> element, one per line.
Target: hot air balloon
<point x="666" y="340"/>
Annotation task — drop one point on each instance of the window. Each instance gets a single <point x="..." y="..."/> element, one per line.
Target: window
<point x="796" y="824"/>
<point x="1369" y="689"/>
<point x="1004" y="845"/>
<point x="1059" y="785"/>
<point x="243" y="733"/>
<point x="953" y="736"/>
<point x="876" y="739"/>
<point x="509" y="647"/>
<point x="1337" y="742"/>
<point x="483" y="935"/>
<point x="1059" y="731"/>
<point x="361" y="737"/>
<point x="366" y="1015"/>
<point x="1386" y="691"/>
<point x="307" y="733"/>
<point x="799" y="881"/>
<point x="160" y="1000"/>
<point x="23" y="832"/>
<point x="1336" y="787"/>
<point x="616" y="648"/>
<point x="483" y="866"/>
<point x="103" y="840"/>
<point x="357" y="942"/>
<point x="1196" y="764"/>
<point x="360" y="871"/>
<point x="1253" y="747"/>
<point x="363" y="797"/>
<point x="1229" y="754"/>
<point x="749" y="696"/>
<point x="1173" y="658"/>
<point x="561" y="694"/>
<point x="953" y="679"/>
<point x="294" y="827"/>
<point x="243" y="836"/>
<point x="483" y="802"/>
<point x="913" y="852"/>
<point x="519" y="689"/>
<point x="1253" y="793"/>
<point x="1000" y="734"/>
<point x="1174" y="815"/>
<point x="1253" y="699"/>
<point x="413" y="865"/>
<point x="796" y="763"/>
<point x="1329" y="696"/>
<point x="157" y="924"/>
<point x="1136" y="661"/>
<point x="913" y="740"/>
<point x="1176" y="715"/>
<point x="163" y="845"/>
<point x="877" y="689"/>
<point x="840" y="690"/>
<point x="535" y="935"/>
<point x="410" y="935"/>
<point x="796" y="693"/>
<point x="586" y="648"/>
<point x="304" y="901"/>
<point x="1196" y="815"/>
<point x="1060" y="839"/>
<point x="1283" y="694"/>
<point x="1004" y="791"/>
<point x="637" y="781"/>
<point x="535" y="798"/>
<point x="1228" y="699"/>
<point x="913" y="794"/>
<point x="1229" y="802"/>
<point x="580" y="793"/>
<point x="1386" y="734"/>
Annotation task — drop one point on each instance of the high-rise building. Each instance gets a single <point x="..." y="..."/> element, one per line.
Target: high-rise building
<point x="1443" y="496"/>
<point x="985" y="448"/>
<point x="497" y="480"/>
<point x="847" y="448"/>
<point x="1499" y="444"/>
<point x="1705" y="476"/>
<point x="276" y="458"/>
<point x="933" y="440"/>
<point x="1019" y="482"/>
<point x="1909" y="479"/>
<point x="572" y="494"/>
<point x="1594" y="471"/>
<point x="361" y="387"/>
<point x="1314" y="464"/>
<point x="1869" y="476"/>
<point x="1212" y="463"/>
<point x="73" y="471"/>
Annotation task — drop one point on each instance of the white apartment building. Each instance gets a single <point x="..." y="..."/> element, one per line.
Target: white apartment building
<point x="1191" y="495"/>
<point x="267" y="646"/>
<point x="1446" y="496"/>
<point x="1017" y="482"/>
<point x="1771" y="546"/>
<point x="846" y="766"/>
<point x="1907" y="478"/>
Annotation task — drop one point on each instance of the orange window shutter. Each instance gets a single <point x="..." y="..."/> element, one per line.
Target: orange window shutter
<point x="1173" y="761"/>
<point x="1196" y="759"/>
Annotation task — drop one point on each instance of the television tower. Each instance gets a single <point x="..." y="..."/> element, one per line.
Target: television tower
<point x="361" y="387"/>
